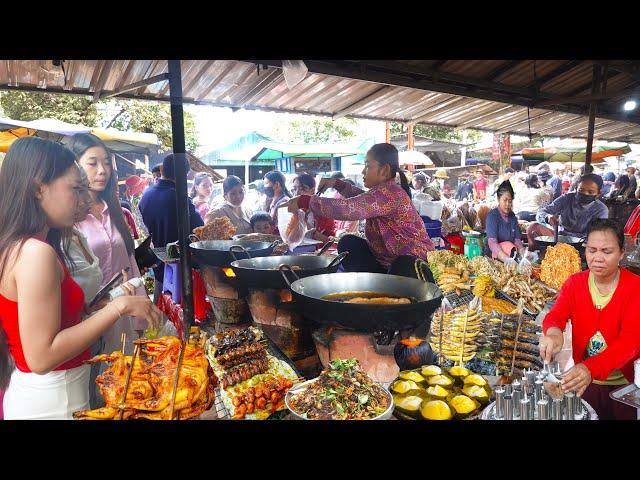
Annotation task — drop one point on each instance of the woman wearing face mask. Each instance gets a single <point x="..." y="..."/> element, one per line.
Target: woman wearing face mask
<point x="572" y="211"/>
<point x="201" y="192"/>
<point x="106" y="230"/>
<point x="503" y="232"/>
<point x="276" y="191"/>
<point x="602" y="304"/>
<point x="393" y="227"/>
<point x="233" y="207"/>
<point x="41" y="327"/>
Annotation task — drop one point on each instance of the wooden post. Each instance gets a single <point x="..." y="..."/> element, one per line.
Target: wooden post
<point x="387" y="132"/>
<point x="595" y="89"/>
<point x="463" y="150"/>
<point x="410" y="138"/>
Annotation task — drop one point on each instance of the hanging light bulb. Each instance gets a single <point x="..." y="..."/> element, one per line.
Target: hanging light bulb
<point x="630" y="105"/>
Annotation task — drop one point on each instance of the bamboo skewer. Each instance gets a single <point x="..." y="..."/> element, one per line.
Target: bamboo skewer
<point x="136" y="350"/>
<point x="515" y="343"/>
<point x="183" y="347"/>
<point x="464" y="336"/>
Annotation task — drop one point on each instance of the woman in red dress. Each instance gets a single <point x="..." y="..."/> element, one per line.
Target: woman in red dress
<point x="41" y="332"/>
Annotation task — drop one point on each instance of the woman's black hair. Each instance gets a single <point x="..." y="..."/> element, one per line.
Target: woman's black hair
<point x="623" y="183"/>
<point x="197" y="180"/>
<point x="505" y="187"/>
<point x="592" y="177"/>
<point x="230" y="183"/>
<point x="307" y="180"/>
<point x="30" y="162"/>
<point x="532" y="181"/>
<point x="260" y="217"/>
<point x="387" y="154"/>
<point x="607" y="225"/>
<point x="79" y="144"/>
<point x="275" y="176"/>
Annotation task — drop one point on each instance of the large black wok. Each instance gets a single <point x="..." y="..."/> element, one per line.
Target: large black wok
<point x="216" y="253"/>
<point x="264" y="272"/>
<point x="308" y="293"/>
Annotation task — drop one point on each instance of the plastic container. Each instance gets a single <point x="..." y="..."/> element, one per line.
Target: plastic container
<point x="136" y="282"/>
<point x="172" y="281"/>
<point x="431" y="209"/>
<point x="456" y="242"/>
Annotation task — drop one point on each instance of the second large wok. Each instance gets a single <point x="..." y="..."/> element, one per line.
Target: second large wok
<point x="264" y="272"/>
<point x="309" y="292"/>
<point x="216" y="253"/>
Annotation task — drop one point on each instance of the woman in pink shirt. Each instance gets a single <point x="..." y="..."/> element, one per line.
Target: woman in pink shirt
<point x="106" y="230"/>
<point x="393" y="227"/>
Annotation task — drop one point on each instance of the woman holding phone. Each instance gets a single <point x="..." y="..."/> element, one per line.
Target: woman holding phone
<point x="41" y="329"/>
<point x="106" y="229"/>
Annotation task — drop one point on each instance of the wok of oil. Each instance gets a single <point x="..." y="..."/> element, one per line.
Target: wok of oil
<point x="346" y="296"/>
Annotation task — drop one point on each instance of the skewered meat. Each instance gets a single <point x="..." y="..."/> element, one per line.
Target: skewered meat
<point x="244" y="372"/>
<point x="522" y="347"/>
<point x="508" y="354"/>
<point x="230" y="339"/>
<point x="240" y="360"/>
<point x="246" y="350"/>
<point x="268" y="395"/>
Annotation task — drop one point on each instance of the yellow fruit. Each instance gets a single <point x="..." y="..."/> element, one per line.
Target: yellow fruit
<point x="435" y="410"/>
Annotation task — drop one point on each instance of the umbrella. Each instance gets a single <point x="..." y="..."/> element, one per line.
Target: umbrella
<point x="412" y="157"/>
<point x="575" y="154"/>
<point x="59" y="131"/>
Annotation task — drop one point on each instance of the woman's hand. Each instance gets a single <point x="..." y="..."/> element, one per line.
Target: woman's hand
<point x="326" y="183"/>
<point x="577" y="379"/>
<point x="138" y="306"/>
<point x="292" y="205"/>
<point x="549" y="346"/>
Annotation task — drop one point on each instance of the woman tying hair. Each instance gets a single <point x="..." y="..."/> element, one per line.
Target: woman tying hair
<point x="233" y="208"/>
<point x="201" y="193"/>
<point x="40" y="303"/>
<point x="393" y="227"/>
<point x="503" y="232"/>
<point x="276" y="191"/>
<point x="106" y="229"/>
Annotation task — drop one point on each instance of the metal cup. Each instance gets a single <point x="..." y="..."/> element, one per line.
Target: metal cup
<point x="508" y="389"/>
<point x="499" y="403"/>
<point x="570" y="406"/>
<point x="543" y="410"/>
<point x="531" y="376"/>
<point x="525" y="409"/>
<point x="556" y="409"/>
<point x="516" y="385"/>
<point x="516" y="395"/>
<point x="508" y="407"/>
<point x="577" y="408"/>
<point x="539" y="389"/>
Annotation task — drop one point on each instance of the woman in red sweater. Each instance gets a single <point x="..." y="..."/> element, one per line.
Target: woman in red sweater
<point x="603" y="305"/>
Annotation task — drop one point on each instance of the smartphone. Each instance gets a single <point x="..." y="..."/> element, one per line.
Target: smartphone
<point x="104" y="291"/>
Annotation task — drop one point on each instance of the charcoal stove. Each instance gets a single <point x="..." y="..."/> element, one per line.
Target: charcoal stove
<point x="225" y="294"/>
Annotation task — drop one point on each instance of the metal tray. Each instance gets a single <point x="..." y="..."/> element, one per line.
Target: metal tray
<point x="588" y="413"/>
<point x="629" y="395"/>
<point x="524" y="309"/>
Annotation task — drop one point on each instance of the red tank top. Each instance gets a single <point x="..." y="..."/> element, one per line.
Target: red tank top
<point x="70" y="315"/>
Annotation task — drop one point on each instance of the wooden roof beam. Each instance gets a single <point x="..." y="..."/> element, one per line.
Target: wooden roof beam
<point x="504" y="68"/>
<point x="102" y="79"/>
<point x="556" y="72"/>
<point x="133" y="86"/>
<point x="377" y="95"/>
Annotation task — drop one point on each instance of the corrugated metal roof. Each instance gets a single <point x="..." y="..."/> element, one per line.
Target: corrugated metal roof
<point x="482" y="94"/>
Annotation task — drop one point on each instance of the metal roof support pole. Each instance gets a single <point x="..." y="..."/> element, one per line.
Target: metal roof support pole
<point x="595" y="90"/>
<point x="179" y="150"/>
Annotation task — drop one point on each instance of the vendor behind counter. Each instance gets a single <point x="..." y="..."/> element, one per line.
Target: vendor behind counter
<point x="394" y="231"/>
<point x="503" y="232"/>
<point x="572" y="211"/>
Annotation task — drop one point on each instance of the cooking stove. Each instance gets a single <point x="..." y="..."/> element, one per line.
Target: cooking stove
<point x="374" y="351"/>
<point x="226" y="296"/>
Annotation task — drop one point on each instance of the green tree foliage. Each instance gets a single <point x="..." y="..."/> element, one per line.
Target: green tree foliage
<point x="28" y="106"/>
<point x="152" y="117"/>
<point x="437" y="132"/>
<point x="132" y="115"/>
<point x="314" y="130"/>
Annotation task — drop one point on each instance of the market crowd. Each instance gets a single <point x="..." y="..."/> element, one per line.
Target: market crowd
<point x="66" y="230"/>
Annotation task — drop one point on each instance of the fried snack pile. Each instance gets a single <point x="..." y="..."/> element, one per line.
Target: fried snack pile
<point x="151" y="383"/>
<point x="219" y="228"/>
<point x="560" y="262"/>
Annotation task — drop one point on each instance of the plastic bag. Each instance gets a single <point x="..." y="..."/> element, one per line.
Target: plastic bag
<point x="525" y="266"/>
<point x="294" y="72"/>
<point x="292" y="227"/>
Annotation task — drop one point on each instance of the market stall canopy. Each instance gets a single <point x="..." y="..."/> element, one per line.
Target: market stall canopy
<point x="541" y="97"/>
<point x="574" y="153"/>
<point x="411" y="157"/>
<point x="274" y="150"/>
<point x="59" y="131"/>
<point x="486" y="169"/>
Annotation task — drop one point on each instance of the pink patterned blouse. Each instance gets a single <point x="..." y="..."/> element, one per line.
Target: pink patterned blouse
<point x="393" y="226"/>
